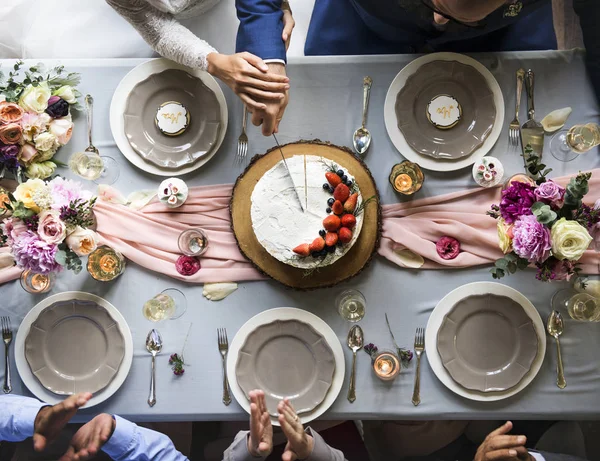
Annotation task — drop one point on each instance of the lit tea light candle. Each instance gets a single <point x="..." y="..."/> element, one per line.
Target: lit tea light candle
<point x="35" y="283"/>
<point x="40" y="282"/>
<point x="386" y="366"/>
<point x="403" y="182"/>
<point x="519" y="178"/>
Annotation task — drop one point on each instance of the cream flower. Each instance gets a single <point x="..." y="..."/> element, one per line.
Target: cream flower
<point x="46" y="155"/>
<point x="67" y="93"/>
<point x="40" y="170"/>
<point x="45" y="141"/>
<point x="34" y="124"/>
<point x="505" y="236"/>
<point x="82" y="241"/>
<point x="569" y="239"/>
<point x="62" y="129"/>
<point x="25" y="192"/>
<point x="35" y="98"/>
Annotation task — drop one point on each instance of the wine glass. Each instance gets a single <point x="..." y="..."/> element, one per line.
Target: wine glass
<point x="351" y="305"/>
<point x="169" y="304"/>
<point x="566" y="145"/>
<point x="580" y="305"/>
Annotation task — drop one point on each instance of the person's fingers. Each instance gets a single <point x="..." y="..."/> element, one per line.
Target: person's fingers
<point x="39" y="442"/>
<point x="507" y="441"/>
<point x="255" y="61"/>
<point x="288" y="26"/>
<point x="286" y="427"/>
<point x="268" y="95"/>
<point x="506" y="454"/>
<point x="504" y="429"/>
<point x="268" y="125"/>
<point x="262" y="402"/>
<point x="257" y="117"/>
<point x="289" y="455"/>
<point x="251" y="103"/>
<point x="254" y="421"/>
<point x="69" y="455"/>
<point x="272" y="87"/>
<point x="250" y="74"/>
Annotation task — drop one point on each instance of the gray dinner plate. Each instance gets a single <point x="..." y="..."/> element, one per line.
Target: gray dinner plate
<point x="172" y="151"/>
<point x="462" y="82"/>
<point x="286" y="359"/>
<point x="74" y="346"/>
<point x="487" y="343"/>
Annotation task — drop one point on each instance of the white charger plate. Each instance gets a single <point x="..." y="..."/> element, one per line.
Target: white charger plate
<point x="437" y="317"/>
<point x="424" y="161"/>
<point x="119" y="101"/>
<point x="29" y="378"/>
<point x="288" y="313"/>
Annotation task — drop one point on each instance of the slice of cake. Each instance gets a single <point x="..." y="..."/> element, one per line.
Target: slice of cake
<point x="330" y="224"/>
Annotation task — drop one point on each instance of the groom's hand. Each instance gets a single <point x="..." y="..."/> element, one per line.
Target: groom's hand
<point x="270" y="117"/>
<point x="50" y="420"/>
<point x="90" y="438"/>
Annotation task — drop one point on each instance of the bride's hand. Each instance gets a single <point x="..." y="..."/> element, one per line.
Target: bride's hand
<point x="249" y="77"/>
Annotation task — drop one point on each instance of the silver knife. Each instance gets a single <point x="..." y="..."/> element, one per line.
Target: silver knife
<point x="532" y="132"/>
<point x="289" y="173"/>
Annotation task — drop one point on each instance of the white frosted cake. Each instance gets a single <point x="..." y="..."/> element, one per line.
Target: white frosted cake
<point x="292" y="236"/>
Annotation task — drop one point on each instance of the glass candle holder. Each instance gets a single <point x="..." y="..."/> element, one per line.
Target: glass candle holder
<point x="351" y="305"/>
<point x="406" y="178"/>
<point x="193" y="242"/>
<point x="35" y="283"/>
<point x="386" y="365"/>
<point x="519" y="177"/>
<point x="105" y="264"/>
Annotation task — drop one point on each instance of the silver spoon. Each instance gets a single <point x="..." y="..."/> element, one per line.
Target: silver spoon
<point x="362" y="137"/>
<point x="556" y="327"/>
<point x="154" y="345"/>
<point x="355" y="342"/>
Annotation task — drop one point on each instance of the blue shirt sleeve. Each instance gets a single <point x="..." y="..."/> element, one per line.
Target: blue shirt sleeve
<point x="132" y="443"/>
<point x="17" y="417"/>
<point x="261" y="26"/>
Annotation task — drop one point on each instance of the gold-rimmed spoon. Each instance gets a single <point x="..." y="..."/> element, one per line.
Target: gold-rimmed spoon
<point x="555" y="328"/>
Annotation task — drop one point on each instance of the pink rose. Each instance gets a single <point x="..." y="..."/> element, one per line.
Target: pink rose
<point x="62" y="129"/>
<point x="187" y="265"/>
<point x="11" y="133"/>
<point x="50" y="228"/>
<point x="14" y="227"/>
<point x="28" y="153"/>
<point x="10" y="112"/>
<point x="447" y="247"/>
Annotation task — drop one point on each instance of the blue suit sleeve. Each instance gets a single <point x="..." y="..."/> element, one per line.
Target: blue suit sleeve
<point x="589" y="18"/>
<point x="261" y="26"/>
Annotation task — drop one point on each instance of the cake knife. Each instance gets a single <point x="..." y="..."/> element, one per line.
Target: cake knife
<point x="289" y="173"/>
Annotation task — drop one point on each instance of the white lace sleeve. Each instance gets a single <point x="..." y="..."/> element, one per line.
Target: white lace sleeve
<point x="164" y="33"/>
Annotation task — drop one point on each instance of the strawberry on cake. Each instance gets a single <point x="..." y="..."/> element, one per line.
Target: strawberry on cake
<point x="328" y="227"/>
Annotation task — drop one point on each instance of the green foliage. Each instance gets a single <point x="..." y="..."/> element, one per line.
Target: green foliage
<point x="67" y="258"/>
<point x="533" y="163"/>
<point x="543" y="213"/>
<point x="19" y="210"/>
<point x="577" y="188"/>
<point x="508" y="265"/>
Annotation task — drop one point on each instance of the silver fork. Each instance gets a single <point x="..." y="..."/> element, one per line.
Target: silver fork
<point x="223" y="348"/>
<point x="242" y="149"/>
<point x="7" y="338"/>
<point x="515" y="127"/>
<point x="419" y="349"/>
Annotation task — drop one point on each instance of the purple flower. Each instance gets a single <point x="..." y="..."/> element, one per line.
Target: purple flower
<point x="8" y="155"/>
<point x="34" y="254"/>
<point x="65" y="191"/>
<point x="531" y="239"/>
<point x="447" y="247"/>
<point x="516" y="201"/>
<point x="550" y="193"/>
<point x="57" y="107"/>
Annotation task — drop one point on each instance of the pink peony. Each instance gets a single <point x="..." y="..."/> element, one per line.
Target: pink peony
<point x="50" y="228"/>
<point x="531" y="239"/>
<point x="447" y="247"/>
<point x="13" y="227"/>
<point x="187" y="265"/>
<point x="28" y="153"/>
<point x="65" y="191"/>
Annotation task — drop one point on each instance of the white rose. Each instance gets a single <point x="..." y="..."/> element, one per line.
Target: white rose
<point x="35" y="98"/>
<point x="45" y="141"/>
<point x="40" y="170"/>
<point x="569" y="239"/>
<point x="82" y="241"/>
<point x="62" y="129"/>
<point x="46" y="155"/>
<point x="67" y="93"/>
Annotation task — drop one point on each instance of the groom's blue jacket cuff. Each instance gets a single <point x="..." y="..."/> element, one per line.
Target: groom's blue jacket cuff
<point x="261" y="26"/>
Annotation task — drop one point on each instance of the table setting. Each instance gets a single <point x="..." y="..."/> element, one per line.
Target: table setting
<point x="360" y="231"/>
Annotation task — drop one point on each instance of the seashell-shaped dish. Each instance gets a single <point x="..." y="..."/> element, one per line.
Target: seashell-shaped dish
<point x="556" y="119"/>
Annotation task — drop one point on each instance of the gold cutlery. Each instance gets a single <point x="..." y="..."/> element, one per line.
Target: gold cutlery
<point x="556" y="327"/>
<point x="362" y="137"/>
<point x="154" y="345"/>
<point x="532" y="132"/>
<point x="514" y="129"/>
<point x="7" y="338"/>
<point x="355" y="343"/>
<point x="223" y="348"/>
<point x="419" y="349"/>
<point x="242" y="148"/>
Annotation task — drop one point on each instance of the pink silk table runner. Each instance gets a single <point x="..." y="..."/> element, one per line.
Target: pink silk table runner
<point x="148" y="236"/>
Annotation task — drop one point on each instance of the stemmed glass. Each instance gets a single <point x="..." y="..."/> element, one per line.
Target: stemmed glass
<point x="580" y="305"/>
<point x="566" y="145"/>
<point x="89" y="164"/>
<point x="351" y="305"/>
<point x="169" y="304"/>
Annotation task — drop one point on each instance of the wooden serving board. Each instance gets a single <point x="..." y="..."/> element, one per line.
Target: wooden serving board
<point x="346" y="267"/>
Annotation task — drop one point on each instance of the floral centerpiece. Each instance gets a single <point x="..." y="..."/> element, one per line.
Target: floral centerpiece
<point x="544" y="224"/>
<point x="35" y="118"/>
<point x="47" y="225"/>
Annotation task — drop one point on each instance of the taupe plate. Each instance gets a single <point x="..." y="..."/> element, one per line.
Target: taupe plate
<point x="487" y="343"/>
<point x="140" y="111"/>
<point x="286" y="359"/>
<point x="74" y="346"/>
<point x="464" y="83"/>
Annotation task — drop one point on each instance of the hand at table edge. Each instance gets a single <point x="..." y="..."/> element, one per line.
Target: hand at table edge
<point x="499" y="446"/>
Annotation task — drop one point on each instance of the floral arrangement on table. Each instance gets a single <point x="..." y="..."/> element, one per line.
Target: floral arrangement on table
<point x="35" y="118"/>
<point x="544" y="224"/>
<point x="47" y="224"/>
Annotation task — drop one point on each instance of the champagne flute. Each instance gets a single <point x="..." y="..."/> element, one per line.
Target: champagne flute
<point x="566" y="145"/>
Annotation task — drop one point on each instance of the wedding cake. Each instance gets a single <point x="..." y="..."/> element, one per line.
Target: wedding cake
<point x="316" y="232"/>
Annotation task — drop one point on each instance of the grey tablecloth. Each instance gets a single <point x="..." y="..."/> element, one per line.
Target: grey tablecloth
<point x="326" y="99"/>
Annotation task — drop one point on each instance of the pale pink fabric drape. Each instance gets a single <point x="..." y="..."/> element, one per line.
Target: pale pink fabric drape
<point x="418" y="225"/>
